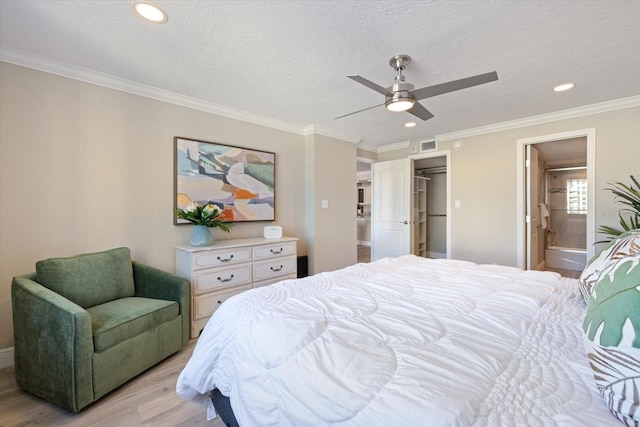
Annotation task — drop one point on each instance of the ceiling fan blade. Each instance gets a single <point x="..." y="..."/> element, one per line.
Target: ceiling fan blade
<point x="439" y="89"/>
<point x="420" y="112"/>
<point x="369" y="84"/>
<point x="359" y="111"/>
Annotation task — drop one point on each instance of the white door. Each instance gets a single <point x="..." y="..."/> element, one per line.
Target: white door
<point x="533" y="211"/>
<point x="391" y="208"/>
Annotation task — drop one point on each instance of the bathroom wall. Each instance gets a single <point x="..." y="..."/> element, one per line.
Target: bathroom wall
<point x="567" y="228"/>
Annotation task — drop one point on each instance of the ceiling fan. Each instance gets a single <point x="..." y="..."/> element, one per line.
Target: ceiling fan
<point x="401" y="96"/>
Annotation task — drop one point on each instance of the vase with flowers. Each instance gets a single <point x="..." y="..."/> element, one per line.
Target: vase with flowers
<point x="203" y="217"/>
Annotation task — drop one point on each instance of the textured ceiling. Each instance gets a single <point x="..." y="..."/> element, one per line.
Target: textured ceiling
<point x="287" y="60"/>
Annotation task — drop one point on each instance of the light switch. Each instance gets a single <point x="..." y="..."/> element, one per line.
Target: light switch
<point x="456" y="204"/>
<point x="325" y="204"/>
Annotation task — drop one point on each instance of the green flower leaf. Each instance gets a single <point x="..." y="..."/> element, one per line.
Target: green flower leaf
<point x="614" y="301"/>
<point x="207" y="215"/>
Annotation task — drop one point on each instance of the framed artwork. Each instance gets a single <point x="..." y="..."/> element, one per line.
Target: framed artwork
<point x="240" y="181"/>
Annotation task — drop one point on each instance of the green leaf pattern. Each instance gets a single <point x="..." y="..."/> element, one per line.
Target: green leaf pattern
<point x="626" y="245"/>
<point x="615" y="298"/>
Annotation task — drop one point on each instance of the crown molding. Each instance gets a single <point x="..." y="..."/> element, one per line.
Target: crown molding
<point x="366" y="147"/>
<point x="100" y="79"/>
<point x="603" y="107"/>
<point x="317" y="130"/>
<point x="396" y="146"/>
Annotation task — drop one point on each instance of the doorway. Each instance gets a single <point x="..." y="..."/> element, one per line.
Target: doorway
<point x="556" y="221"/>
<point x="401" y="222"/>
<point x="363" y="209"/>
<point x="432" y="174"/>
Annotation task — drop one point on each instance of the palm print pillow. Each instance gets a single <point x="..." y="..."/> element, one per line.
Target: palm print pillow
<point x="626" y="244"/>
<point x="612" y="337"/>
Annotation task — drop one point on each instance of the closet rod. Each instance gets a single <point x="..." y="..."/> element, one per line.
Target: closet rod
<point x="433" y="170"/>
<point x="572" y="168"/>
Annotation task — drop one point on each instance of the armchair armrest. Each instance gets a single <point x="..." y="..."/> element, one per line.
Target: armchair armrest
<point x="151" y="282"/>
<point x="53" y="346"/>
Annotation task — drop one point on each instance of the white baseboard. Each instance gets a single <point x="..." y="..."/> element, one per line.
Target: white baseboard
<point x="6" y="357"/>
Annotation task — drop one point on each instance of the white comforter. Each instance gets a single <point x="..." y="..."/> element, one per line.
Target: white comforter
<point x="407" y="341"/>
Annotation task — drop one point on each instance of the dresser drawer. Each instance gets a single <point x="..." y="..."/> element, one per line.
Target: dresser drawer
<point x="220" y="257"/>
<point x="264" y="270"/>
<point x="274" y="250"/>
<point x="219" y="278"/>
<point x="205" y="305"/>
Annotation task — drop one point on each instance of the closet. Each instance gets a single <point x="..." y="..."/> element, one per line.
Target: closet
<point x="432" y="223"/>
<point x="409" y="210"/>
<point x="420" y="215"/>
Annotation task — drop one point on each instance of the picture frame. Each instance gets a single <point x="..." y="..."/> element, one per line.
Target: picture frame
<point x="239" y="180"/>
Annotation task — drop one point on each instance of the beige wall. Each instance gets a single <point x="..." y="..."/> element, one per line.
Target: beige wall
<point x="331" y="176"/>
<point x="86" y="168"/>
<point x="365" y="154"/>
<point x="484" y="180"/>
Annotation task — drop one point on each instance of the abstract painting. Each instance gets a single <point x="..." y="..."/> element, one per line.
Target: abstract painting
<point x="240" y="181"/>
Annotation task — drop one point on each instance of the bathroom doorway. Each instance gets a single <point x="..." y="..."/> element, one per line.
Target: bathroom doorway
<point x="564" y="204"/>
<point x="557" y="226"/>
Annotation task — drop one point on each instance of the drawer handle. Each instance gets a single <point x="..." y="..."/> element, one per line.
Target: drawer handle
<point x="226" y="259"/>
<point x="276" y="269"/>
<point x="225" y="280"/>
<point x="276" y="252"/>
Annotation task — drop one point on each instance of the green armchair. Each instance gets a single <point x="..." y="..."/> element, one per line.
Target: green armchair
<point x="85" y="325"/>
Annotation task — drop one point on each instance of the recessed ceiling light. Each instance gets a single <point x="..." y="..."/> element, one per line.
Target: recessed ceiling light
<point x="563" y="87"/>
<point x="410" y="124"/>
<point x="150" y="12"/>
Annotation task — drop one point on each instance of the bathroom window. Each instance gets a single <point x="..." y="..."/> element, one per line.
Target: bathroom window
<point x="577" y="196"/>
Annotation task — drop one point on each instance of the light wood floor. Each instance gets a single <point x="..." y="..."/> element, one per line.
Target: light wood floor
<point x="364" y="253"/>
<point x="148" y="400"/>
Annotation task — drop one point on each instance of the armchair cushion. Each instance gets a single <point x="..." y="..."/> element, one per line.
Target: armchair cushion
<point x="89" y="279"/>
<point x="116" y="321"/>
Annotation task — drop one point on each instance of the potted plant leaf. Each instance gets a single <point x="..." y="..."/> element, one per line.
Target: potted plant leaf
<point x="629" y="196"/>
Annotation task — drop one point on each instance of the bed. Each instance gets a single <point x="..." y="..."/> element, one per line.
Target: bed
<point x="405" y="341"/>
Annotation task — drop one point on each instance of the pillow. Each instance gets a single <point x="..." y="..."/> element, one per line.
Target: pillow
<point x="89" y="279"/>
<point x="612" y="337"/>
<point x="624" y="245"/>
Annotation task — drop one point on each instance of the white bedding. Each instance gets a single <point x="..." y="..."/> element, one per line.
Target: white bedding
<point x="406" y="341"/>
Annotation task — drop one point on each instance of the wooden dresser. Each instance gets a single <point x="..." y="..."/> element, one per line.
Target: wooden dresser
<point x="228" y="267"/>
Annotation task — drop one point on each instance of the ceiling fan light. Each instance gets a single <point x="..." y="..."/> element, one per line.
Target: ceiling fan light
<point x="402" y="104"/>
